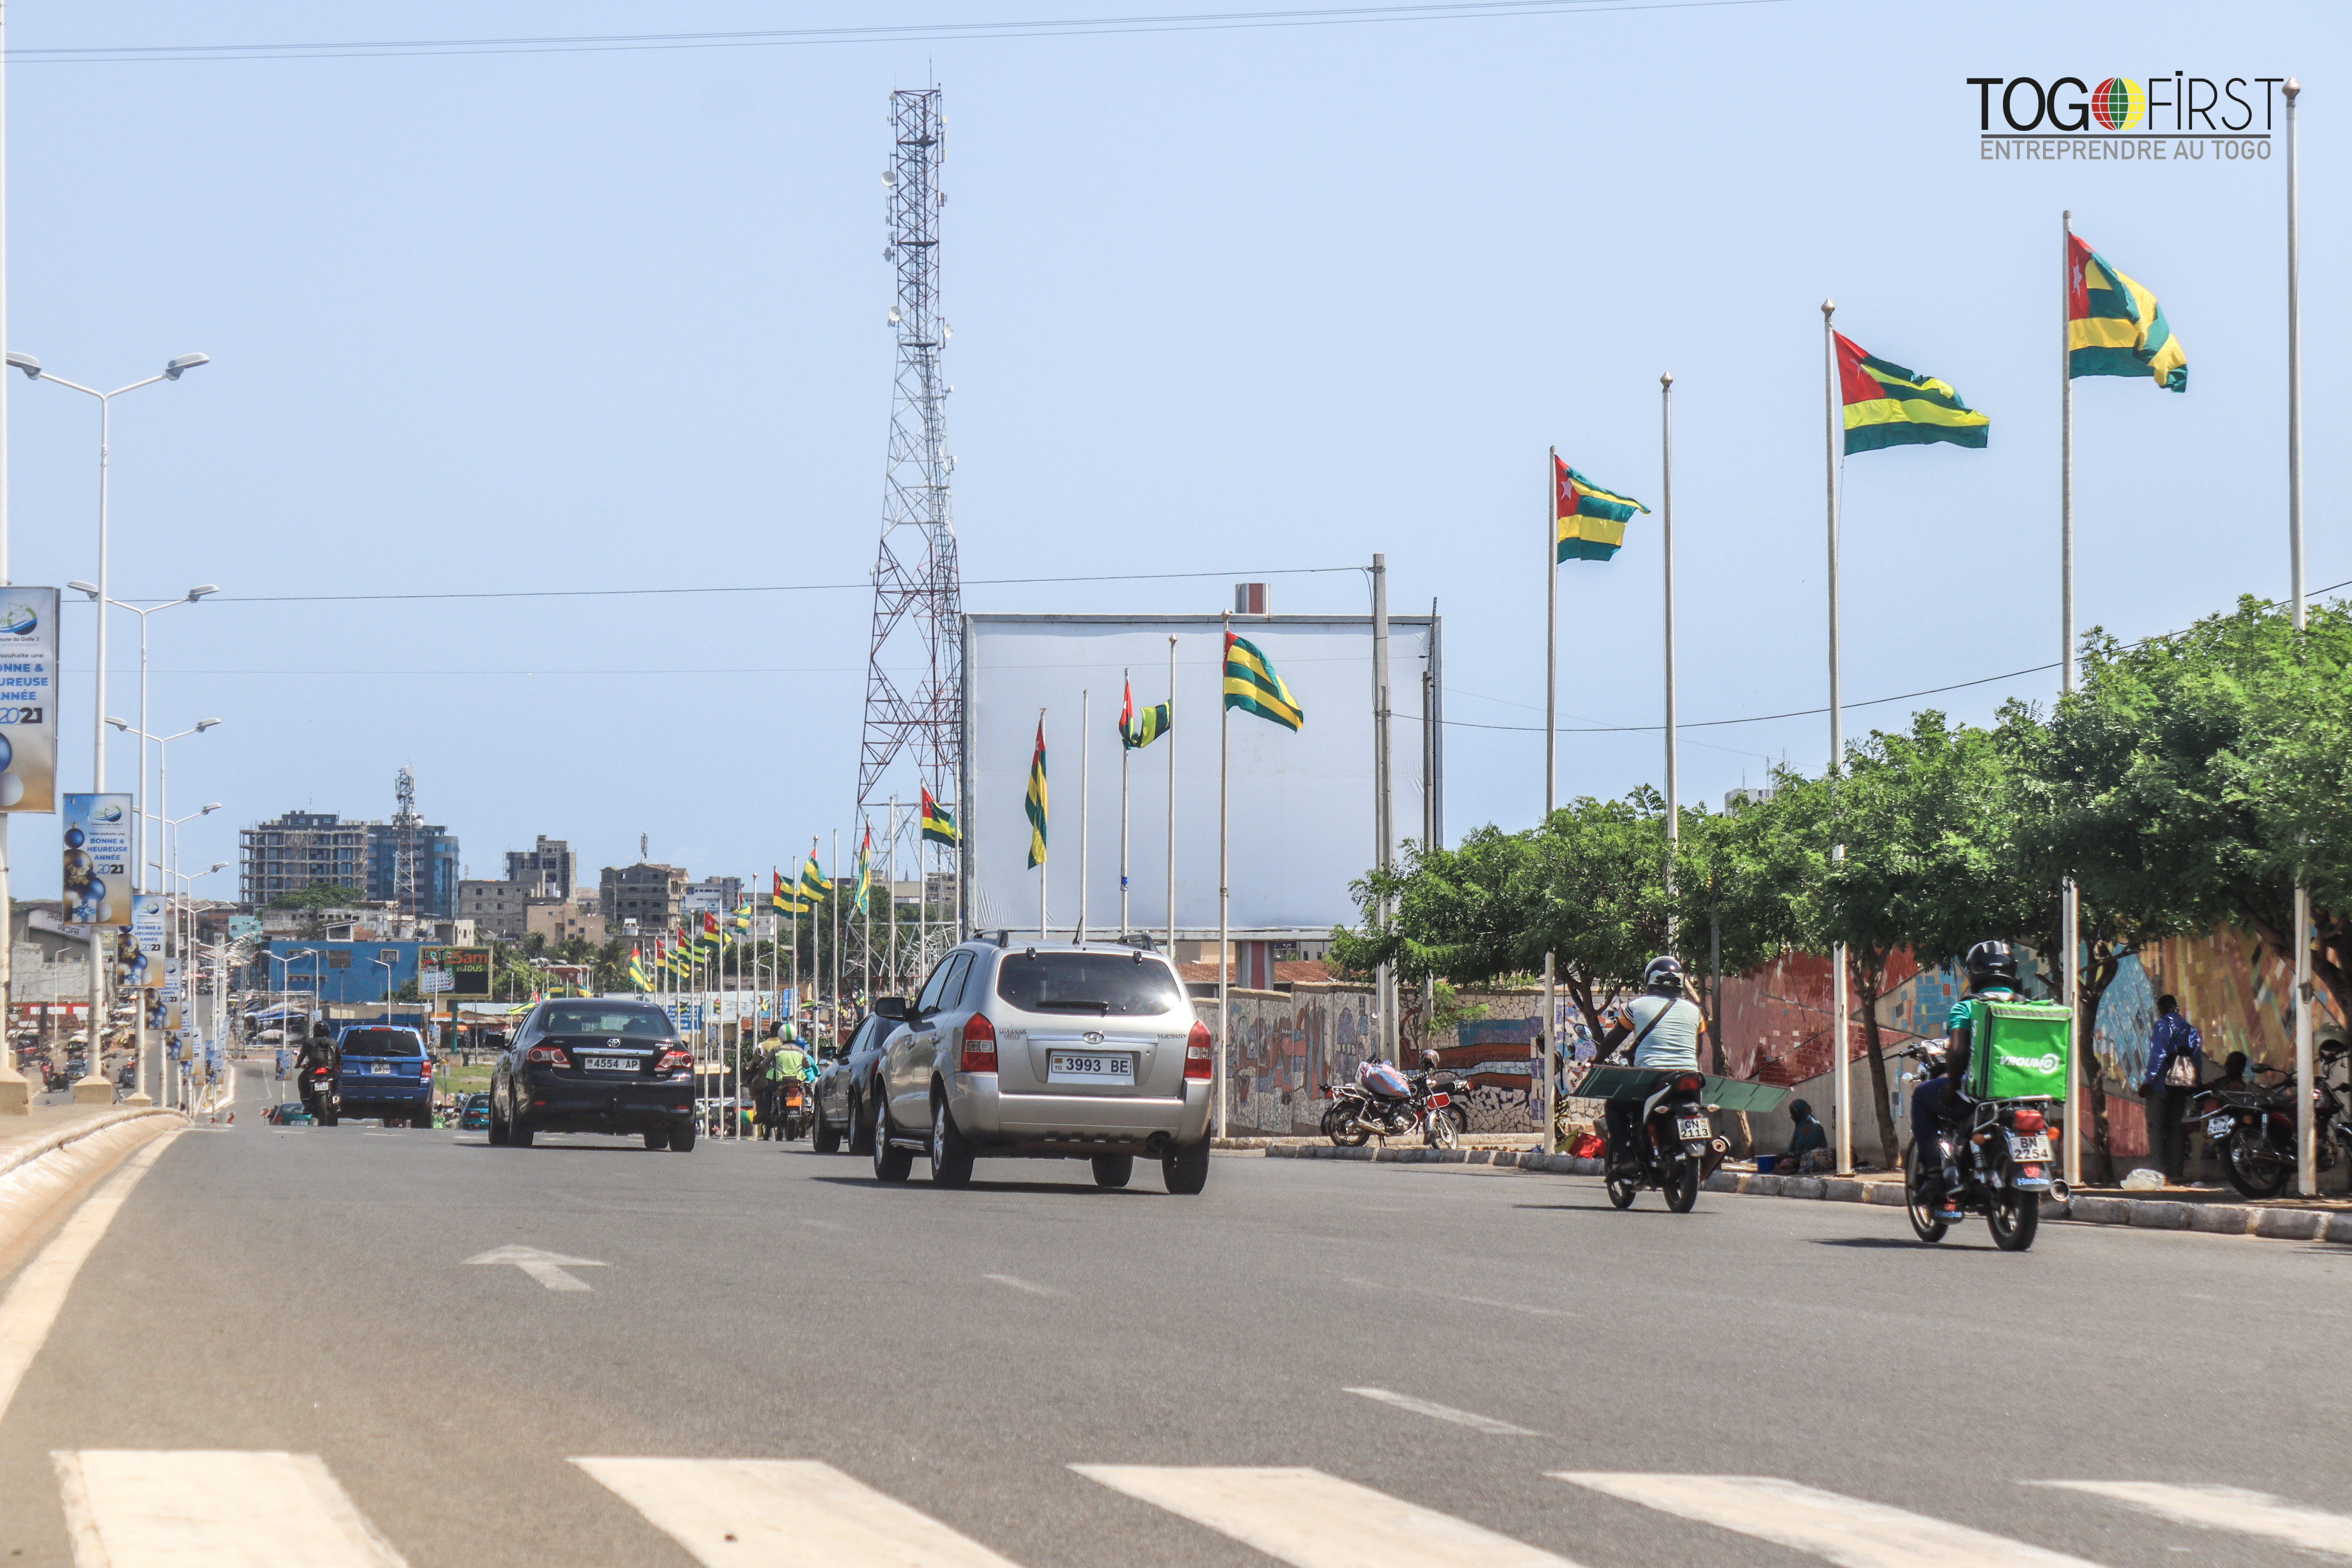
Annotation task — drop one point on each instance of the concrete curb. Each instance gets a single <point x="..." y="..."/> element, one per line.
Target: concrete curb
<point x="2216" y="1219"/>
<point x="42" y="1173"/>
<point x="74" y="1132"/>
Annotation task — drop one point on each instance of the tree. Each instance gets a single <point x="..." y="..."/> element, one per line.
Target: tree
<point x="319" y="895"/>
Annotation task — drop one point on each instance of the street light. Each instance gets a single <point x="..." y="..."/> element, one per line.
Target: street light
<point x="185" y="937"/>
<point x="94" y="1087"/>
<point x="163" y="804"/>
<point x="387" y="966"/>
<point x="191" y="596"/>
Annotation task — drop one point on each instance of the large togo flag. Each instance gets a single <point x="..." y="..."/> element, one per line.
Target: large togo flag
<point x="637" y="969"/>
<point x="1252" y="686"/>
<point x="938" y="823"/>
<point x="2115" y="327"/>
<point x="1036" y="803"/>
<point x="1887" y="405"/>
<point x="1588" y="523"/>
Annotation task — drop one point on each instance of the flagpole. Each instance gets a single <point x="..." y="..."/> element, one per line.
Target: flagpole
<point x="1085" y="751"/>
<point x="1045" y="932"/>
<point x="1674" y="778"/>
<point x="1840" y="1028"/>
<point x="1126" y="681"/>
<point x="1225" y="893"/>
<point x="832" y="1028"/>
<point x="2069" y="906"/>
<point x="1171" y="797"/>
<point x="1546" y="1110"/>
<point x="865" y="896"/>
<point x="2307" y="1129"/>
<point x="890" y="886"/>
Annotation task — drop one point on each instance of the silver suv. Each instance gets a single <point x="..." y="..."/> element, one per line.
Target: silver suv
<point x="1053" y="1051"/>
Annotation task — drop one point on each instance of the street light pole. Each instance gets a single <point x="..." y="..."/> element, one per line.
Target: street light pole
<point x="140" y="815"/>
<point x="93" y="1088"/>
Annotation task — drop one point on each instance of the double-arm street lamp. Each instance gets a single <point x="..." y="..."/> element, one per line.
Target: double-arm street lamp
<point x="94" y="1086"/>
<point x="162" y="803"/>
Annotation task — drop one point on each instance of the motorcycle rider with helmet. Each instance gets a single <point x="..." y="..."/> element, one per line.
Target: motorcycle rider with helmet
<point x="1664" y="1026"/>
<point x="318" y="1051"/>
<point x="1990" y="969"/>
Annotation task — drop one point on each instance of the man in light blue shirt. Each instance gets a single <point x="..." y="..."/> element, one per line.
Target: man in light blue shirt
<point x="1663" y="1027"/>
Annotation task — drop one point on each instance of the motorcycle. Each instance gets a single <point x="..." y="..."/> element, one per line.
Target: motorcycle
<point x="2254" y="1130"/>
<point x="793" y="1107"/>
<point x="317" y="1090"/>
<point x="1677" y="1144"/>
<point x="1382" y="1103"/>
<point x="2000" y="1164"/>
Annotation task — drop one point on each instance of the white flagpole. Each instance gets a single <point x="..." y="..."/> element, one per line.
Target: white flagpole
<point x="1127" y="686"/>
<point x="890" y="885"/>
<point x="1224" y="891"/>
<point x="1667" y="505"/>
<point x="2069" y="904"/>
<point x="1086" y="755"/>
<point x="1546" y="1110"/>
<point x="2307" y="1127"/>
<point x="1045" y="932"/>
<point x="1840" y="1028"/>
<point x="1171" y="798"/>
<point x="833" y="897"/>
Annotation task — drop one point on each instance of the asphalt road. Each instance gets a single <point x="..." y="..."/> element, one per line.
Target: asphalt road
<point x="943" y="1363"/>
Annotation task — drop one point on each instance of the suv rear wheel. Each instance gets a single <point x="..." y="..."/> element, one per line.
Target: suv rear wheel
<point x="951" y="1153"/>
<point x="1113" y="1170"/>
<point x="1186" y="1171"/>
<point x="656" y="1140"/>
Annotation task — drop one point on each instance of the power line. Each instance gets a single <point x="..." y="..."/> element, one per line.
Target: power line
<point x="804" y="37"/>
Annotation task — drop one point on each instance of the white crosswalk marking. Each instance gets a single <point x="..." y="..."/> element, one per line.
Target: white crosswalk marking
<point x="1846" y="1531"/>
<point x="2229" y="1507"/>
<point x="783" y="1513"/>
<point x="1310" y="1520"/>
<point x="134" y="1508"/>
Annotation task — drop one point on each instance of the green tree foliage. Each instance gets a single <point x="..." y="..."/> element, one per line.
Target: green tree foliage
<point x="319" y="896"/>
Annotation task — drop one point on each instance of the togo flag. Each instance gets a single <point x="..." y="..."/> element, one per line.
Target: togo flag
<point x="1035" y="804"/>
<point x="938" y="823"/>
<point x="2115" y="327"/>
<point x="1136" y="731"/>
<point x="1588" y="523"/>
<point x="638" y="970"/>
<point x="814" y="886"/>
<point x="1887" y="405"/>
<point x="1252" y="686"/>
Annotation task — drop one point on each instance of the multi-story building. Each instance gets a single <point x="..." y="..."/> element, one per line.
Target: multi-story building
<point x="647" y="893"/>
<point x="300" y="850"/>
<point x="437" y="867"/>
<point x="559" y="919"/>
<point x="549" y="865"/>
<point x="720" y="895"/>
<point x="497" y="909"/>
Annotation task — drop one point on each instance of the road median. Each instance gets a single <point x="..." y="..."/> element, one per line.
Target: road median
<point x="41" y="1167"/>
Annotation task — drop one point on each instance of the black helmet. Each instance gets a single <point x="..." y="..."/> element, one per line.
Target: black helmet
<point x="1664" y="972"/>
<point x="1989" y="962"/>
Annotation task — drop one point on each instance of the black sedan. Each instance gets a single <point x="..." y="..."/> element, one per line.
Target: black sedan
<point x="579" y="1065"/>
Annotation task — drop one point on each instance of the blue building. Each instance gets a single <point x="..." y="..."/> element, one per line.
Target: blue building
<point x="436" y="868"/>
<point x="334" y="971"/>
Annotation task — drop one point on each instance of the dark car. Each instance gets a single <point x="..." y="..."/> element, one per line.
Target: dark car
<point x="292" y="1113"/>
<point x="840" y="1070"/>
<point x="475" y="1116"/>
<point x="384" y="1071"/>
<point x="579" y="1065"/>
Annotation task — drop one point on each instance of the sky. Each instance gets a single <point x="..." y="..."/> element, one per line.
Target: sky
<point x="1239" y="302"/>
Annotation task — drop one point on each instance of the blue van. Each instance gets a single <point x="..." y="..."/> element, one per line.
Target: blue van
<point x="385" y="1072"/>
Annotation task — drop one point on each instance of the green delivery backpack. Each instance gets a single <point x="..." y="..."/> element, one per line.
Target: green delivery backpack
<point x="2018" y="1050"/>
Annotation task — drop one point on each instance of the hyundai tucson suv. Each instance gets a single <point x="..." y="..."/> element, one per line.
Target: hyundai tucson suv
<point x="1058" y="1052"/>
<point x="583" y="1066"/>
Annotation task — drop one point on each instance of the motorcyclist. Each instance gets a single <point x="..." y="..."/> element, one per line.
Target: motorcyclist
<point x="788" y="1064"/>
<point x="318" y="1051"/>
<point x="1990" y="969"/>
<point x="1664" y="1026"/>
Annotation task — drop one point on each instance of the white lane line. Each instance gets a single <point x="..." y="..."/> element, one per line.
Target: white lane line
<point x="1310" y="1520"/>
<point x="783" y="1513"/>
<point x="547" y="1267"/>
<point x="2229" y="1507"/>
<point x="134" y="1508"/>
<point x="1471" y="1419"/>
<point x="1450" y="1296"/>
<point x="1846" y="1531"/>
<point x="31" y="1307"/>
<point x="1029" y="1286"/>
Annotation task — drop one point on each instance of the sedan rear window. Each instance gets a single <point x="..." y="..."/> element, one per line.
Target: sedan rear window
<point x="1109" y="983"/>
<point x="630" y="1022"/>
<point x="381" y="1042"/>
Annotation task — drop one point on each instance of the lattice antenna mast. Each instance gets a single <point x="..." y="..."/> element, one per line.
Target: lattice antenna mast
<point x="918" y="585"/>
<point x="403" y="824"/>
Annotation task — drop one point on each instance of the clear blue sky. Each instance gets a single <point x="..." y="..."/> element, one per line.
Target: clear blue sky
<point x="1227" y="299"/>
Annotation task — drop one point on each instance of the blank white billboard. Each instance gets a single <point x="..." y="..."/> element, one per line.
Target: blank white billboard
<point x="1303" y="825"/>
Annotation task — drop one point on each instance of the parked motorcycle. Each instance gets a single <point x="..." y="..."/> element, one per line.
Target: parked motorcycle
<point x="1999" y="1165"/>
<point x="1676" y="1146"/>
<point x="2253" y="1130"/>
<point x="1383" y="1102"/>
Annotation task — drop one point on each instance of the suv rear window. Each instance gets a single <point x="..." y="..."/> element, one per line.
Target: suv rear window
<point x="381" y="1042"/>
<point x="1109" y="983"/>
<point x="636" y="1022"/>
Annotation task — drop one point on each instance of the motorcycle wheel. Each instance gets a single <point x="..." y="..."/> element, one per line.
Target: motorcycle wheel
<point x="1622" y="1191"/>
<point x="1441" y="1131"/>
<point x="1681" y="1186"/>
<point x="2254" y="1177"/>
<point x="1337" y="1127"/>
<point x="1924" y="1223"/>
<point x="2015" y="1217"/>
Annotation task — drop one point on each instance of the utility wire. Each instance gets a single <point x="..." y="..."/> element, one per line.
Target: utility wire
<point x="861" y="586"/>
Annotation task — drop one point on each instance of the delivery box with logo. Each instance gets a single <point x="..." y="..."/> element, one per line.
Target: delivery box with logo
<point x="2018" y="1050"/>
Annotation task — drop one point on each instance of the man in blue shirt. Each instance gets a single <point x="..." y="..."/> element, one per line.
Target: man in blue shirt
<point x="1663" y="1027"/>
<point x="2176" y="1064"/>
<point x="1991" y="968"/>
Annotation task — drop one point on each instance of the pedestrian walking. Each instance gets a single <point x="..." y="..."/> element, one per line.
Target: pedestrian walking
<point x="2176" y="1064"/>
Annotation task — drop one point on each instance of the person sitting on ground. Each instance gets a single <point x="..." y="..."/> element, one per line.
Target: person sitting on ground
<point x="1808" y="1144"/>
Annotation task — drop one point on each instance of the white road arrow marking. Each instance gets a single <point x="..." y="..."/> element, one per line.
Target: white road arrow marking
<point x="547" y="1267"/>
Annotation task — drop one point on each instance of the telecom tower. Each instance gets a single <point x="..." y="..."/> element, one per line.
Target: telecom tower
<point x="918" y="586"/>
<point x="405" y="822"/>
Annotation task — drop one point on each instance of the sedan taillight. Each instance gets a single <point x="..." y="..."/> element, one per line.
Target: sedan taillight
<point x="674" y="1060"/>
<point x="552" y="1056"/>
<point x="1197" y="1053"/>
<point x="978" y="1044"/>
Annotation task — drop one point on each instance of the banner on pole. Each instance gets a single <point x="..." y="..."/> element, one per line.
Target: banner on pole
<point x="97" y="882"/>
<point x="28" y="699"/>
<point x="143" y="968"/>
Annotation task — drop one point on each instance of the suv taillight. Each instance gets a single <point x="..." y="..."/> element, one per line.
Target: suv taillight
<point x="675" y="1060"/>
<point x="1197" y="1053"/>
<point x="553" y="1055"/>
<point x="978" y="1044"/>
